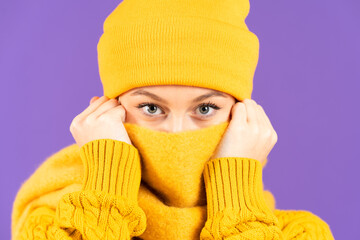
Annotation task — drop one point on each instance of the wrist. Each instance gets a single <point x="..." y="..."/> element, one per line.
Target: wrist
<point x="111" y="166"/>
<point x="235" y="183"/>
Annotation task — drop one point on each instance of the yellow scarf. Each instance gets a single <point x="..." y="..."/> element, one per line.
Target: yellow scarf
<point x="172" y="191"/>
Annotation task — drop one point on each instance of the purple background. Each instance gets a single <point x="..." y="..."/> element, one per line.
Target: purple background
<point x="307" y="80"/>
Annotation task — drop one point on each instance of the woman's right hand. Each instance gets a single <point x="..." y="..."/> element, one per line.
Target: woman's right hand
<point x="103" y="118"/>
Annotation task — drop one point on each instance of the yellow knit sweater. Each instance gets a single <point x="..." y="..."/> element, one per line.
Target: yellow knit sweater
<point x="92" y="193"/>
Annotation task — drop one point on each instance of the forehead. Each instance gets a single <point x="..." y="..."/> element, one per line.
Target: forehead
<point x="176" y="90"/>
<point x="181" y="93"/>
<point x="165" y="88"/>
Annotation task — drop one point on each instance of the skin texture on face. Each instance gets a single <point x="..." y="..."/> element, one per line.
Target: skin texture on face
<point x="175" y="108"/>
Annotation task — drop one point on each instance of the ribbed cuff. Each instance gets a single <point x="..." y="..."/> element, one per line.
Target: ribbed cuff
<point x="235" y="183"/>
<point x="111" y="166"/>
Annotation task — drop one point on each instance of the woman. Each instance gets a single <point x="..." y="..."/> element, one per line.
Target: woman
<point x="168" y="152"/>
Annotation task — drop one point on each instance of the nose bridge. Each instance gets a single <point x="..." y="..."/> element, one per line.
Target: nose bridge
<point x="176" y="123"/>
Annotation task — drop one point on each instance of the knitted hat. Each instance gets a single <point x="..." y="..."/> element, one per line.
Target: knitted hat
<point x="178" y="42"/>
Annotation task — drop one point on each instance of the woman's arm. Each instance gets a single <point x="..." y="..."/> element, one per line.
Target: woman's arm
<point x="237" y="207"/>
<point x="106" y="206"/>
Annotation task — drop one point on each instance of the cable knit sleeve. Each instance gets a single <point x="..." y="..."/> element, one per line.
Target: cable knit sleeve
<point x="105" y="207"/>
<point x="237" y="207"/>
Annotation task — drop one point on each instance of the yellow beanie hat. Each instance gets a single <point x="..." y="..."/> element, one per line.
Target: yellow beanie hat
<point x="178" y="42"/>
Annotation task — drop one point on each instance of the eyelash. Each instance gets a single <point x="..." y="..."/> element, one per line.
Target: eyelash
<point x="210" y="104"/>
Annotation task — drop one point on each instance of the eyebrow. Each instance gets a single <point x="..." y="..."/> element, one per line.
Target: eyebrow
<point x="198" y="99"/>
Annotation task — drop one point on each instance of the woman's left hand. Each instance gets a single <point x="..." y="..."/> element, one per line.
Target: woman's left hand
<point x="249" y="133"/>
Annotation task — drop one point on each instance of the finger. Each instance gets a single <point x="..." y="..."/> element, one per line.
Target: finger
<point x="93" y="106"/>
<point x="251" y="111"/>
<point x="238" y="113"/>
<point x="104" y="108"/>
<point x="93" y="99"/>
<point x="117" y="112"/>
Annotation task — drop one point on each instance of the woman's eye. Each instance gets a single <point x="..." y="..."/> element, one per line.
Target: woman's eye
<point x="204" y="109"/>
<point x="149" y="109"/>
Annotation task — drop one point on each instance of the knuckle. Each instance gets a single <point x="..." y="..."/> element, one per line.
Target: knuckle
<point x="256" y="129"/>
<point x="275" y="136"/>
<point x="102" y="117"/>
<point x="268" y="133"/>
<point x="75" y="119"/>
<point x="249" y="101"/>
<point x="251" y="104"/>
<point x="73" y="126"/>
<point x="89" y="120"/>
<point x="239" y="106"/>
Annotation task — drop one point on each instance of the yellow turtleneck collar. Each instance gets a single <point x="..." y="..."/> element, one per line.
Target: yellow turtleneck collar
<point x="172" y="191"/>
